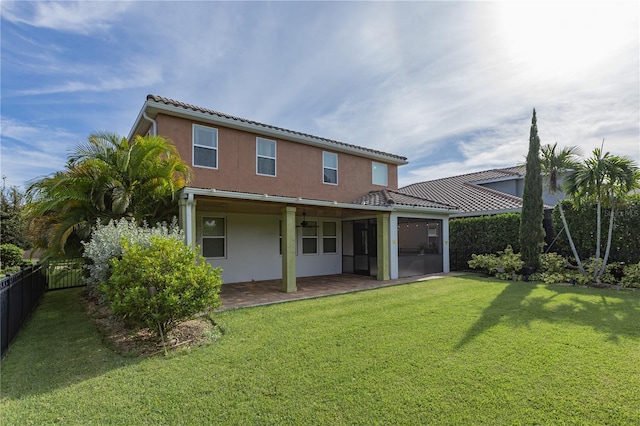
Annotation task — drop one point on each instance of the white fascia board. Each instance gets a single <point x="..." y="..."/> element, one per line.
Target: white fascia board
<point x="152" y="108"/>
<point x="136" y="124"/>
<point x="279" y="199"/>
<point x="485" y="213"/>
<point x="430" y="210"/>
<point x="319" y="203"/>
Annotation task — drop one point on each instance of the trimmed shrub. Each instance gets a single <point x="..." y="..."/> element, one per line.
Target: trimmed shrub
<point x="107" y="243"/>
<point x="505" y="265"/>
<point x="553" y="269"/>
<point x="158" y="286"/>
<point x="631" y="276"/>
<point x="10" y="255"/>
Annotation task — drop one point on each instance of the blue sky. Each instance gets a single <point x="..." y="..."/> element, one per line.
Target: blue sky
<point x="450" y="85"/>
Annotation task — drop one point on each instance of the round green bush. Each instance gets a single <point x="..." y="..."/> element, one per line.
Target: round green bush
<point x="161" y="285"/>
<point x="10" y="255"/>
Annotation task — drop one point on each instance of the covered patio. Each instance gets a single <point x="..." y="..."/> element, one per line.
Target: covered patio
<point x="257" y="293"/>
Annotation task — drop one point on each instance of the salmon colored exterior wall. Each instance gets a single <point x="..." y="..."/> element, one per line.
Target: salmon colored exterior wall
<point x="298" y="167"/>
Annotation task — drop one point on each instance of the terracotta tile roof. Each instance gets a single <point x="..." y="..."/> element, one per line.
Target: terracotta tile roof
<point x="388" y="197"/>
<point x="465" y="192"/>
<point x="195" y="108"/>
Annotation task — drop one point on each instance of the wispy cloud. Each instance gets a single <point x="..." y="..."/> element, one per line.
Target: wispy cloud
<point x="450" y="85"/>
<point x="29" y="150"/>
<point x="103" y="80"/>
<point x="78" y="17"/>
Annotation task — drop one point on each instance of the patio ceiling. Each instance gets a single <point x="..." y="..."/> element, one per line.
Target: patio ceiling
<point x="230" y="205"/>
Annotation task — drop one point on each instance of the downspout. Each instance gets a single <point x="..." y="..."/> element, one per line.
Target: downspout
<point x="153" y="122"/>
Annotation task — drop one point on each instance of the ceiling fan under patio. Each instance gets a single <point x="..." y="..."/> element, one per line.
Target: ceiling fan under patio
<point x="305" y="224"/>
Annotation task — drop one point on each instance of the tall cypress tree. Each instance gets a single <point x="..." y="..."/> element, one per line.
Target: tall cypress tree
<point x="531" y="230"/>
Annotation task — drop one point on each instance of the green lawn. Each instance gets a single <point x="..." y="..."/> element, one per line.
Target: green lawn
<point x="451" y="351"/>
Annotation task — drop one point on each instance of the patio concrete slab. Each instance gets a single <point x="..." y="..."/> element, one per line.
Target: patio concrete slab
<point x="257" y="293"/>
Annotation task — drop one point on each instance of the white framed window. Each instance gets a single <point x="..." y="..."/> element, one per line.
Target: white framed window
<point x="330" y="168"/>
<point x="205" y="146"/>
<point x="379" y="174"/>
<point x="265" y="157"/>
<point x="329" y="237"/>
<point x="310" y="238"/>
<point x="214" y="237"/>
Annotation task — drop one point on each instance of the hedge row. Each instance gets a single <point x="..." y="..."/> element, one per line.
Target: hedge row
<point x="481" y="235"/>
<point x="625" y="244"/>
<point x="490" y="234"/>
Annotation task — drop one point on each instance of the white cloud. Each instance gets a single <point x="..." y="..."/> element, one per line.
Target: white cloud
<point x="84" y="17"/>
<point x="470" y="101"/>
<point x="132" y="76"/>
<point x="441" y="83"/>
<point x="30" y="150"/>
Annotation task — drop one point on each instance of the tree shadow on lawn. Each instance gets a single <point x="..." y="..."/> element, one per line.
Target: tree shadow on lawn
<point x="615" y="313"/>
<point x="58" y="347"/>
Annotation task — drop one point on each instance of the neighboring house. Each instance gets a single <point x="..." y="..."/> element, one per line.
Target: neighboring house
<point x="482" y="193"/>
<point x="270" y="203"/>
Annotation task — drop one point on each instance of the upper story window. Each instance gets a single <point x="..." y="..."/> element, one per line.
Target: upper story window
<point x="330" y="167"/>
<point x="205" y="146"/>
<point x="265" y="157"/>
<point x="380" y="174"/>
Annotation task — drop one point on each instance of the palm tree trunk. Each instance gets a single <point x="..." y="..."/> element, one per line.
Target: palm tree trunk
<point x="596" y="268"/>
<point x="571" y="244"/>
<point x="609" y="236"/>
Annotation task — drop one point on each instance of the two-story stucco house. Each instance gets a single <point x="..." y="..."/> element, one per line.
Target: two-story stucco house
<point x="270" y="203"/>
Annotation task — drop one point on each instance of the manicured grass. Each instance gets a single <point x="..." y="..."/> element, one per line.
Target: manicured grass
<point x="459" y="350"/>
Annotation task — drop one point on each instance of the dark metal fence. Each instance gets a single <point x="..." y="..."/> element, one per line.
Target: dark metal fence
<point x="19" y="295"/>
<point x="64" y="274"/>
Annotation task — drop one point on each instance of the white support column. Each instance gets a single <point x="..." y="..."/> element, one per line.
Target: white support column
<point x="187" y="218"/>
<point x="445" y="245"/>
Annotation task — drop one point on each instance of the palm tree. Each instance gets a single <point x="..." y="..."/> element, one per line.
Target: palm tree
<point x="554" y="164"/>
<point x="108" y="177"/>
<point x="623" y="177"/>
<point x="603" y="178"/>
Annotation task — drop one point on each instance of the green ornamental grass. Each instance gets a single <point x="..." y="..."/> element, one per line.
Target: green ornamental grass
<point x="458" y="350"/>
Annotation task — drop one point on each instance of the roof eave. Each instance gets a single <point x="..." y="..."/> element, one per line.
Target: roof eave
<point x="212" y="192"/>
<point x="421" y="209"/>
<point x="136" y="128"/>
<point x="280" y="199"/>
<point x="152" y="108"/>
<point x="486" y="212"/>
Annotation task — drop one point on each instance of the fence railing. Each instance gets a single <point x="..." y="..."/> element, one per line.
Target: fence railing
<point x="19" y="295"/>
<point x="64" y="274"/>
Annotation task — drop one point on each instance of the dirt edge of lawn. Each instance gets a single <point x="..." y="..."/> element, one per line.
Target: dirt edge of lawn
<point x="127" y="341"/>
